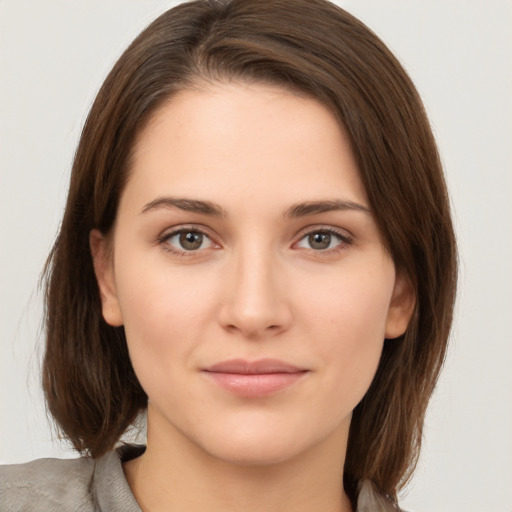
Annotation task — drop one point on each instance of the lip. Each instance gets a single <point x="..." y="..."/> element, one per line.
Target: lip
<point x="253" y="379"/>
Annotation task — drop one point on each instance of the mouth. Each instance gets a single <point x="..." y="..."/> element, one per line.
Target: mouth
<point x="254" y="379"/>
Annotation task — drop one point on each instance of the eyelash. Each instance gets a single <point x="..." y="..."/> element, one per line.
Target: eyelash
<point x="344" y="240"/>
<point x="166" y="237"/>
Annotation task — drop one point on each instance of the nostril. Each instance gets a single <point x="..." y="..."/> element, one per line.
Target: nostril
<point x="254" y="309"/>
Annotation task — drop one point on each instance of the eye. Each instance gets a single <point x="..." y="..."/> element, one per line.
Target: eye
<point x="323" y="240"/>
<point x="187" y="240"/>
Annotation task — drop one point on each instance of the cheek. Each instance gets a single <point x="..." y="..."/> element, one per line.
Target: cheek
<point x="352" y="306"/>
<point x="348" y="325"/>
<point x="164" y="313"/>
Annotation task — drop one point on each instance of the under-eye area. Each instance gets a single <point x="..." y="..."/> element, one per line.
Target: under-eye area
<point x="186" y="240"/>
<point x="325" y="239"/>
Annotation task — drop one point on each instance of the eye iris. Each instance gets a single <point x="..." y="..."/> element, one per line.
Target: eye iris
<point x="191" y="240"/>
<point x="319" y="240"/>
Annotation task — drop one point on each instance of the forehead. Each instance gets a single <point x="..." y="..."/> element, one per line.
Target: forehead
<point x="238" y="138"/>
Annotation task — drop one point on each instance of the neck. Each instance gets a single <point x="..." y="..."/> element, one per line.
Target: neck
<point x="175" y="474"/>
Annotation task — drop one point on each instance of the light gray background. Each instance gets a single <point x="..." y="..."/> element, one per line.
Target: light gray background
<point x="54" y="55"/>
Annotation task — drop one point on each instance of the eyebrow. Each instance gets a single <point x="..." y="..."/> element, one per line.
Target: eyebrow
<point x="315" y="207"/>
<point x="297" y="210"/>
<point x="189" y="205"/>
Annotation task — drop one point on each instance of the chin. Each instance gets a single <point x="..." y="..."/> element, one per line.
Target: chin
<point x="258" y="445"/>
<point x="252" y="453"/>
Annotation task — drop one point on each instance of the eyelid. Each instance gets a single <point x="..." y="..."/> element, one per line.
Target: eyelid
<point x="170" y="232"/>
<point x="325" y="228"/>
<point x="346" y="238"/>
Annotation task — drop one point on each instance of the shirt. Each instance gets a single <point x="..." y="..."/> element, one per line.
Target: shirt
<point x="97" y="485"/>
<point x="65" y="485"/>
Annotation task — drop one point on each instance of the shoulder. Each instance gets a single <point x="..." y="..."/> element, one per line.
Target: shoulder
<point x="63" y="485"/>
<point x="53" y="485"/>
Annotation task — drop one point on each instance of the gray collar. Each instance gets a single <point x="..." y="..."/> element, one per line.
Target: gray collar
<point x="109" y="486"/>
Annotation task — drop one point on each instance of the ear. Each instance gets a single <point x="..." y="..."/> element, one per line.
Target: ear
<point x="104" y="270"/>
<point x="401" y="307"/>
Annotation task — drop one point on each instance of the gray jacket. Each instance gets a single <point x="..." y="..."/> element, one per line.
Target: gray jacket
<point x="88" y="485"/>
<point x="72" y="485"/>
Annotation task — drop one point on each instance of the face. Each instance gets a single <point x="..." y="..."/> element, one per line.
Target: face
<point x="249" y="275"/>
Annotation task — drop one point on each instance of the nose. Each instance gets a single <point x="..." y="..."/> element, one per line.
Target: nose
<point x="256" y="300"/>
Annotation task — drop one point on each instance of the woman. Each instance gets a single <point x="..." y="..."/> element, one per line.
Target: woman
<point x="256" y="249"/>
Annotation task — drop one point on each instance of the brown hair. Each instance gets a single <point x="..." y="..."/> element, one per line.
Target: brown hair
<point x="309" y="46"/>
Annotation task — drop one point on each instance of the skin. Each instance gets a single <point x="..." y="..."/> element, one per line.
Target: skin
<point x="262" y="283"/>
